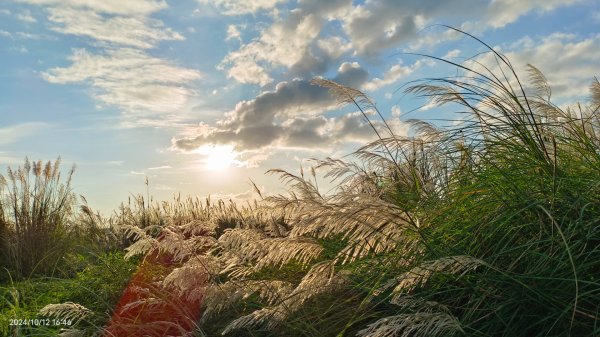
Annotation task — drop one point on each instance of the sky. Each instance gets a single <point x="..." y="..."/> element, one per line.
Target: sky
<point x="202" y="96"/>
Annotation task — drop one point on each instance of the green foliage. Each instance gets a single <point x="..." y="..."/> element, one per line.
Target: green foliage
<point x="98" y="287"/>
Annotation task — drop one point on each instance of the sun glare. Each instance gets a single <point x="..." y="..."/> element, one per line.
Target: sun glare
<point x="217" y="158"/>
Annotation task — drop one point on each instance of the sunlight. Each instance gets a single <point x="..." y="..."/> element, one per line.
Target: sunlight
<point x="218" y="157"/>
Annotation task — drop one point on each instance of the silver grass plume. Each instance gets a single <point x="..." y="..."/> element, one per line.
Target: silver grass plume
<point x="455" y="265"/>
<point x="219" y="297"/>
<point x="420" y="324"/>
<point x="320" y="279"/>
<point x="262" y="251"/>
<point x="71" y="333"/>
<point x="68" y="310"/>
<point x="267" y="318"/>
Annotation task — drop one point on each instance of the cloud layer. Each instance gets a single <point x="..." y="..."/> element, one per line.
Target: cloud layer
<point x="134" y="31"/>
<point x="118" y="64"/>
<point x="291" y="116"/>
<point x="129" y="7"/>
<point x="128" y="78"/>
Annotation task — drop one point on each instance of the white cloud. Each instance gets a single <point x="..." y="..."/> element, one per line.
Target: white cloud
<point x="334" y="46"/>
<point x="233" y="32"/>
<point x="454" y="53"/>
<point x="393" y="75"/>
<point x="290" y="42"/>
<point x="568" y="62"/>
<point x="28" y="36"/>
<point x="237" y="7"/>
<point x="20" y="49"/>
<point x="129" y="7"/>
<point x="19" y="35"/>
<point x="247" y="70"/>
<point x="241" y="197"/>
<point x="119" y="72"/>
<point x="6" y="34"/>
<point x="502" y="12"/>
<point x="26" y="17"/>
<point x="137" y="32"/>
<point x="128" y="78"/>
<point x="5" y="12"/>
<point x="13" y="133"/>
<point x="285" y="43"/>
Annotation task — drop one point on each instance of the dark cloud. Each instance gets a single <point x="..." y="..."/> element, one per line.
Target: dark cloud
<point x="289" y="116"/>
<point x="322" y="8"/>
<point x="352" y="75"/>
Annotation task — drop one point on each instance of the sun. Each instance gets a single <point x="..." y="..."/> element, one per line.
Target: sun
<point x="218" y="157"/>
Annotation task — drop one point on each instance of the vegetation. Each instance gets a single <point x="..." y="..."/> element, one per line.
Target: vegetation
<point x="35" y="207"/>
<point x="489" y="227"/>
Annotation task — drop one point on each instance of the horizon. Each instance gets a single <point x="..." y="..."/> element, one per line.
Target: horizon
<point x="201" y="96"/>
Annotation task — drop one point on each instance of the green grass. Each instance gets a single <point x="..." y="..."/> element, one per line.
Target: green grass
<point x="98" y="287"/>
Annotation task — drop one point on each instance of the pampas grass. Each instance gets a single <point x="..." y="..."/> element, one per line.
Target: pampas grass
<point x="36" y="210"/>
<point x="488" y="227"/>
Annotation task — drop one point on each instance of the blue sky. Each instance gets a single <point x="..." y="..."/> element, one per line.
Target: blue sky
<point x="202" y="95"/>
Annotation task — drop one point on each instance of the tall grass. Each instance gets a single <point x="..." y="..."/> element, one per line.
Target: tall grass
<point x="488" y="227"/>
<point x="36" y="207"/>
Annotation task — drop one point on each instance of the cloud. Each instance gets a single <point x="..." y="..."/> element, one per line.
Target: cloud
<point x="286" y="43"/>
<point x="26" y="17"/>
<point x="6" y="34"/>
<point x="13" y="133"/>
<point x="237" y="7"/>
<point x="233" y="32"/>
<point x="334" y="46"/>
<point x="569" y="62"/>
<point x="242" y="197"/>
<point x="129" y="7"/>
<point x="393" y="75"/>
<point x="502" y="12"/>
<point x="291" y="42"/>
<point x="290" y="117"/>
<point x="19" y="35"/>
<point x="19" y="49"/>
<point x="128" y="78"/>
<point x="257" y="123"/>
<point x="119" y="70"/>
<point x="140" y="32"/>
<point x="4" y="11"/>
<point x="454" y="53"/>
<point x="330" y="9"/>
<point x="377" y="26"/>
<point x="313" y="37"/>
<point x="27" y="36"/>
